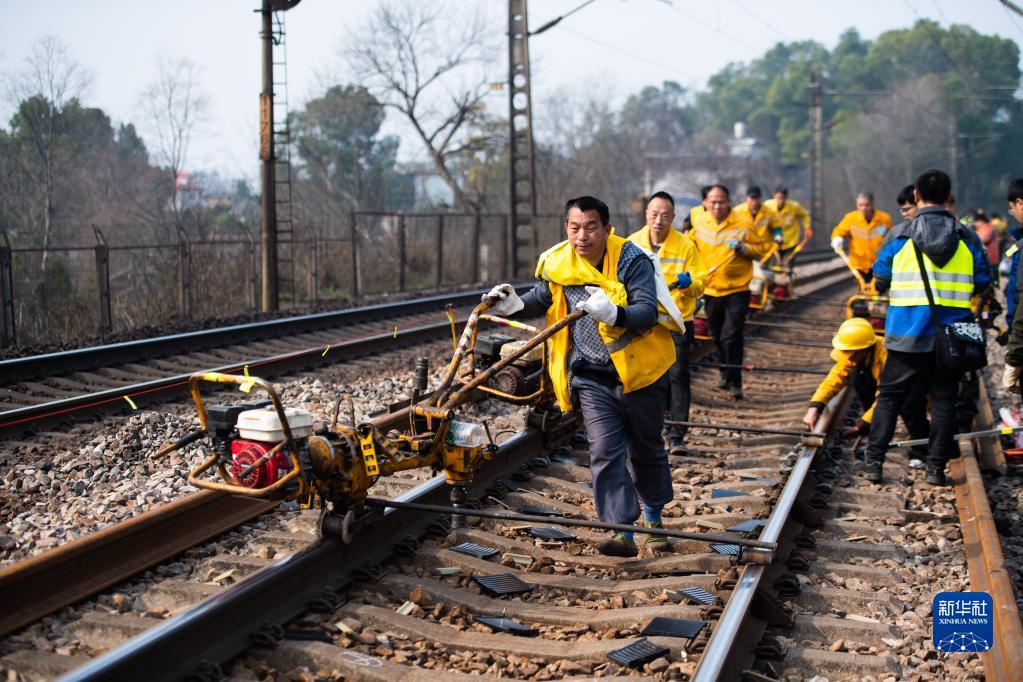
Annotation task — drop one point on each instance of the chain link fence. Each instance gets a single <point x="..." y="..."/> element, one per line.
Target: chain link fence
<point x="70" y="293"/>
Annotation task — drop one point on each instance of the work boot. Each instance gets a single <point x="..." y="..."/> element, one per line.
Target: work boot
<point x="722" y="383"/>
<point x="936" y="475"/>
<point x="735" y="391"/>
<point x="677" y="447"/>
<point x="871" y="471"/>
<point x="620" y="544"/>
<point x="657" y="543"/>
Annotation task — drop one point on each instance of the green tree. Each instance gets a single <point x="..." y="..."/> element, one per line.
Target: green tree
<point x="340" y="151"/>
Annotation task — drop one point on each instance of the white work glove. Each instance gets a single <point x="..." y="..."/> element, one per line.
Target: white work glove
<point x="598" y="306"/>
<point x="504" y="300"/>
<point x="838" y="244"/>
<point x="1010" y="379"/>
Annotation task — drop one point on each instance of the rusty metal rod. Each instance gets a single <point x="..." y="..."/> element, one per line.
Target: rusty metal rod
<point x="747" y="429"/>
<point x="178" y="444"/>
<point x="760" y="368"/>
<point x="567" y="521"/>
<point x="1005" y="431"/>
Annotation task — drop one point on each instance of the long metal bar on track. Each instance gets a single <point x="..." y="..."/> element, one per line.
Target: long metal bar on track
<point x="117" y="353"/>
<point x="220" y="628"/>
<point x="47" y="582"/>
<point x="986" y="562"/>
<point x="720" y="647"/>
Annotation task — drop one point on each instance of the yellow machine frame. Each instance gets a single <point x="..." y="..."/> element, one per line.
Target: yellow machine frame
<point x="342" y="463"/>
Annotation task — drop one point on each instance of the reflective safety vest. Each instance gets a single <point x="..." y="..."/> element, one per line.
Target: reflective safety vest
<point x="678" y="254"/>
<point x="641" y="358"/>
<point x="864" y="237"/>
<point x="951" y="286"/>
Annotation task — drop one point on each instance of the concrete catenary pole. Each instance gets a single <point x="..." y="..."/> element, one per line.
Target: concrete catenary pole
<point x="816" y="150"/>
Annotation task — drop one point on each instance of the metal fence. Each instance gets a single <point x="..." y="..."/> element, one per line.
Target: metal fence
<point x="69" y="293"/>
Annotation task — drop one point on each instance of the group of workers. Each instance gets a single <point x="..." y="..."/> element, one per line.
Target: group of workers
<point x="626" y="361"/>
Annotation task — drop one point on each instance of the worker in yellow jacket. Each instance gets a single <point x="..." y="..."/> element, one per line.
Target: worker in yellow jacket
<point x="728" y="242"/>
<point x="859" y="356"/>
<point x="794" y="219"/>
<point x="865" y="229"/>
<point x="612" y="364"/>
<point x="683" y="270"/>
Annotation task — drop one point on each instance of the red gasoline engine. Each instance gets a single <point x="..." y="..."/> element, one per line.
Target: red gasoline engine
<point x="245" y="434"/>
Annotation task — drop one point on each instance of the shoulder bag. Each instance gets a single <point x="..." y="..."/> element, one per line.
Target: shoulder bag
<point x="958" y="346"/>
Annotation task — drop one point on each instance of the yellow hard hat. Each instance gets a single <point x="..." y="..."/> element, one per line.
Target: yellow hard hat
<point x="856" y="333"/>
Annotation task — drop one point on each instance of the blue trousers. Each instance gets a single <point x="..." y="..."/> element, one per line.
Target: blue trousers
<point x="625" y="429"/>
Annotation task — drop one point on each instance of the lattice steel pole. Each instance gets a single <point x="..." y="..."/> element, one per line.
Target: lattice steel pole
<point x="523" y="166"/>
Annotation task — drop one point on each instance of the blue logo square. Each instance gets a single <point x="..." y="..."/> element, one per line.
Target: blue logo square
<point x="963" y="621"/>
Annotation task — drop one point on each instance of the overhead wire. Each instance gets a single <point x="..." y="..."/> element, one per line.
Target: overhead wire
<point x="763" y="21"/>
<point x="723" y="34"/>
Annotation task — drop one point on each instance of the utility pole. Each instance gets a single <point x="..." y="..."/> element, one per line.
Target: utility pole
<point x="268" y="159"/>
<point x="953" y="153"/>
<point x="816" y="150"/>
<point x="268" y="198"/>
<point x="522" y="175"/>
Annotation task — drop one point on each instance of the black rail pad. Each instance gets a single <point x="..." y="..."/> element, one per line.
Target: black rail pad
<point x="508" y="483"/>
<point x="727" y="550"/>
<point x="508" y="625"/>
<point x="538" y="511"/>
<point x="697" y="595"/>
<point x="502" y="584"/>
<point x="546" y="533"/>
<point x="638" y="653"/>
<point x="472" y="549"/>
<point x="748" y="526"/>
<point x="721" y="492"/>
<point x="673" y="627"/>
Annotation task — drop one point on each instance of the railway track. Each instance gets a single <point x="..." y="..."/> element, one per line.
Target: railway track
<point x="40" y="391"/>
<point x="376" y="620"/>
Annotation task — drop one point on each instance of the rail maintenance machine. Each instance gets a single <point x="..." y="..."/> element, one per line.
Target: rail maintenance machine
<point x="265" y="450"/>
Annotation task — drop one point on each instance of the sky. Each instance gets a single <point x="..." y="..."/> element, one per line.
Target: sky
<point x="617" y="45"/>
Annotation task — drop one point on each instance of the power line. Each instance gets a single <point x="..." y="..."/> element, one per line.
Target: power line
<point x="721" y="33"/>
<point x="763" y="21"/>
<point x="615" y="48"/>
<point x="1011" y="8"/>
<point x="941" y="48"/>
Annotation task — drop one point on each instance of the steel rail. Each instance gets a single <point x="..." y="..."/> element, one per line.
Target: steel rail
<point x="716" y="656"/>
<point x="986" y="562"/>
<point x="48" y="582"/>
<point x="221" y="627"/>
<point x="36" y="366"/>
<point x="24" y="418"/>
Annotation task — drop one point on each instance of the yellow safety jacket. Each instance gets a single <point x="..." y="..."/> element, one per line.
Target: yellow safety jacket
<point x="640" y="358"/>
<point x="864" y="237"/>
<point x="792" y="215"/>
<point x="678" y="254"/>
<point x="765" y="220"/>
<point x="730" y="272"/>
<point x="951" y="285"/>
<point x="839" y="375"/>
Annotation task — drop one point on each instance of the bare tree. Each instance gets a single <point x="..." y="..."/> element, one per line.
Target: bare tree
<point x="173" y="107"/>
<point x="419" y="59"/>
<point x="40" y="92"/>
